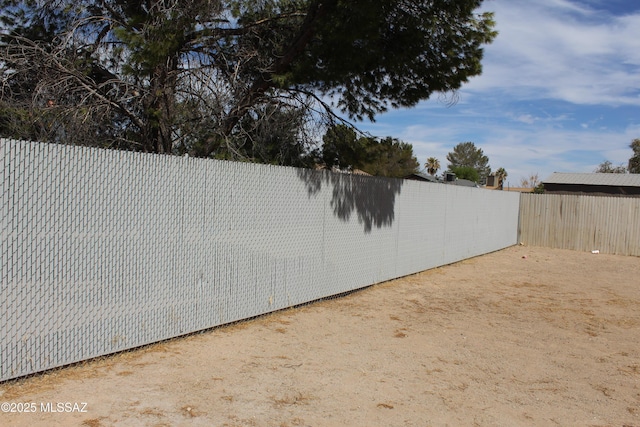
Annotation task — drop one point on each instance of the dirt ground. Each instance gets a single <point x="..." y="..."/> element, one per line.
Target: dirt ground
<point x="521" y="337"/>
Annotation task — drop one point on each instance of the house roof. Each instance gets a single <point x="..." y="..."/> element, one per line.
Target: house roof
<point x="508" y="188"/>
<point x="335" y="169"/>
<point x="606" y="179"/>
<point x="360" y="172"/>
<point x="463" y="183"/>
<point x="419" y="176"/>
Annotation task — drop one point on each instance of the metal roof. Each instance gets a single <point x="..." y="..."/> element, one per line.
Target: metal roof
<point x="421" y="176"/>
<point x="609" y="179"/>
<point x="463" y="183"/>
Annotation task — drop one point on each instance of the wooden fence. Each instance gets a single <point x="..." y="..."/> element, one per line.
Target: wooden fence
<point x="584" y="223"/>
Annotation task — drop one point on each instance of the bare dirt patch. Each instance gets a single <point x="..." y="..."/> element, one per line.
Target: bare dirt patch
<point x="524" y="336"/>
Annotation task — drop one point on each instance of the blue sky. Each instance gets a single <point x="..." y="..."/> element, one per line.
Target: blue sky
<point x="560" y="92"/>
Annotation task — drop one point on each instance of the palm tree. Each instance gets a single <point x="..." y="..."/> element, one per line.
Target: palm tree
<point x="432" y="165"/>
<point x="501" y="175"/>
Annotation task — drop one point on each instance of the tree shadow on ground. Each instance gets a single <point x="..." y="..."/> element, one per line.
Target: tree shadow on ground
<point x="372" y="198"/>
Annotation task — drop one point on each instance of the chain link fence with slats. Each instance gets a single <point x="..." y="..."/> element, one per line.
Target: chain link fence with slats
<point x="106" y="250"/>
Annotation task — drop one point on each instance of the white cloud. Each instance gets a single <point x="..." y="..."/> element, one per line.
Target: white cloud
<point x="526" y="118"/>
<point x="561" y="50"/>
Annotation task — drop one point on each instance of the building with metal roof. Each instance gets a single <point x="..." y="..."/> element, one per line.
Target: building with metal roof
<point x="622" y="184"/>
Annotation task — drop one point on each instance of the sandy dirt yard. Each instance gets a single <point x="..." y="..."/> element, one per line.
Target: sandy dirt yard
<point x="521" y="337"/>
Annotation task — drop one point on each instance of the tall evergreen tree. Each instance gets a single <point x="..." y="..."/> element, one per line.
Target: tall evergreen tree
<point x="209" y="77"/>
<point x="468" y="155"/>
<point x="343" y="148"/>
<point x="388" y="157"/>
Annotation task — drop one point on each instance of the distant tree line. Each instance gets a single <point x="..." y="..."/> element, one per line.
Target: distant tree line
<point x="466" y="161"/>
<point x="633" y="165"/>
